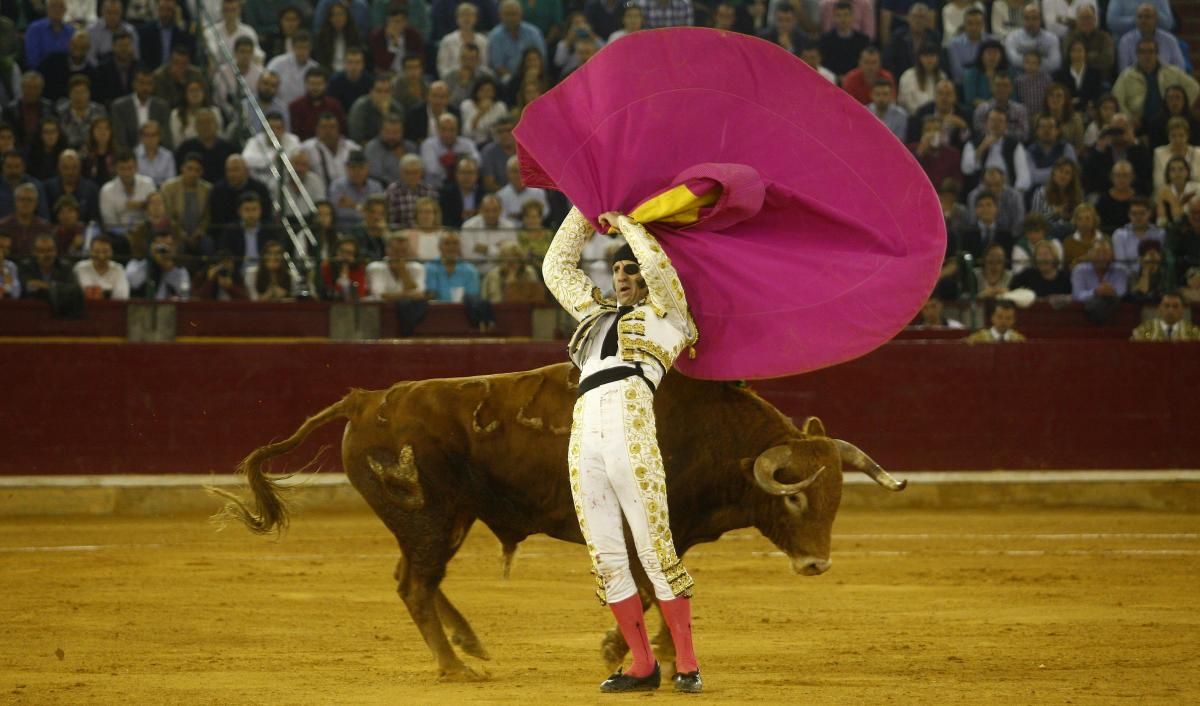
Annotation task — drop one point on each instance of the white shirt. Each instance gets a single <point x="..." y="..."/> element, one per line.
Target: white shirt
<point x="225" y="86"/>
<point x="1056" y="12"/>
<point x="481" y="243"/>
<point x="511" y="201"/>
<point x="114" y="203"/>
<point x="143" y="111"/>
<point x="113" y="280"/>
<point x="328" y="164"/>
<point x="218" y="33"/>
<point x="593" y="363"/>
<point x="380" y="279"/>
<point x="995" y="158"/>
<point x="260" y="154"/>
<point x="291" y="76"/>
<point x="481" y="132"/>
<point x="449" y="58"/>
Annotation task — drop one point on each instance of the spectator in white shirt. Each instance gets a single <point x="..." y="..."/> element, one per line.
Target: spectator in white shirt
<point x="441" y="152"/>
<point x="515" y="194"/>
<point x="449" y="55"/>
<point x="225" y="83"/>
<point x="1032" y="38"/>
<point x="398" y="275"/>
<point x="153" y="159"/>
<point x="99" y="276"/>
<point x="483" y="233"/>
<point x="328" y="150"/>
<point x="291" y="67"/>
<point x="260" y="152"/>
<point x="228" y="30"/>
<point x="811" y="55"/>
<point x="123" y="200"/>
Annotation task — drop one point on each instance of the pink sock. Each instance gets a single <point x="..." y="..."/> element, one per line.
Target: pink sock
<point x="633" y="627"/>
<point x="678" y="614"/>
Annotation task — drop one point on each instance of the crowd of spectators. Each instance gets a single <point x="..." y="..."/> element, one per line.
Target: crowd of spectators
<point x="1061" y="138"/>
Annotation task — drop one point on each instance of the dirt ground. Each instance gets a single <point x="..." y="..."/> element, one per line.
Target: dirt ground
<point x="1011" y="607"/>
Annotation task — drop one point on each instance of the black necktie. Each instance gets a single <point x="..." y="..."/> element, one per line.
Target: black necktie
<point x="609" y="348"/>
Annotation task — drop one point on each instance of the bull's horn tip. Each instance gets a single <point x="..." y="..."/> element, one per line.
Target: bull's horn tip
<point x="900" y="485"/>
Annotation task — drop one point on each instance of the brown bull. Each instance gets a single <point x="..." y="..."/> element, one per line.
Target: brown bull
<point x="431" y="457"/>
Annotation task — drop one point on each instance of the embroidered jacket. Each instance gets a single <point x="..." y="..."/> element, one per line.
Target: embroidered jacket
<point x="658" y="328"/>
<point x="1153" y="331"/>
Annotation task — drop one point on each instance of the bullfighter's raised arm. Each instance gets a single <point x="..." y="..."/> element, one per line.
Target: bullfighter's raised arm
<point x="569" y="284"/>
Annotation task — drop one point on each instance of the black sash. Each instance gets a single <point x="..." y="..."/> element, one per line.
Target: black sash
<point x="608" y="375"/>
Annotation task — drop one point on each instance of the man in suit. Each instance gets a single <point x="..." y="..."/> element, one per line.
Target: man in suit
<point x="186" y="198"/>
<point x="1170" y="326"/>
<point x="460" y="198"/>
<point x="421" y="120"/>
<point x="986" y="230"/>
<point x="227" y="193"/>
<point x="132" y="111"/>
<point x="247" y="238"/>
<point x="70" y="182"/>
<point x="25" y="114"/>
<point x="59" y="68"/>
<point x="114" y="76"/>
<point x="157" y="38"/>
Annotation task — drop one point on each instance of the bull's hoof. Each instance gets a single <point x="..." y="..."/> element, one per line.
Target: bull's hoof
<point x="461" y="673"/>
<point x="613" y="649"/>
<point x="471" y="646"/>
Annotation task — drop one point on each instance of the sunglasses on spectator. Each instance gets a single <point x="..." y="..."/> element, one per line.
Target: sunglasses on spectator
<point x="630" y="269"/>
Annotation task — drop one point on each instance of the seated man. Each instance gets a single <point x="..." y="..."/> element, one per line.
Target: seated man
<point x="483" y="233"/>
<point x="1004" y="317"/>
<point x="44" y="271"/>
<point x="24" y="225"/>
<point x="986" y="230"/>
<point x="1097" y="275"/>
<point x="159" y="277"/>
<point x="123" y="200"/>
<point x="515" y="194"/>
<point x="1170" y="325"/>
<point x="400" y="279"/>
<point x="100" y="277"/>
<point x="1128" y="237"/>
<point x="450" y="279"/>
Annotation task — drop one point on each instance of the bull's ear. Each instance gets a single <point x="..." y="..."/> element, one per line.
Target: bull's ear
<point x="812" y="427"/>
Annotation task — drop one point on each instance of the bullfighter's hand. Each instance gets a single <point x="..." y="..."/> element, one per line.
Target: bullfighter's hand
<point x="609" y="218"/>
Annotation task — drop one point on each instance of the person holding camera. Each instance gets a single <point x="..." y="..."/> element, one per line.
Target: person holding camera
<point x="220" y="281"/>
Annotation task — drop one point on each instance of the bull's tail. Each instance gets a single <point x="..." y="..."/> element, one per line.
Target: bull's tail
<point x="270" y="511"/>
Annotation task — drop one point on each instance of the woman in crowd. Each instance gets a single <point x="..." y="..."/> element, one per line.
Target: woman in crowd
<point x="428" y="227"/>
<point x="324" y="229"/>
<point x="977" y="81"/>
<point x="1070" y="124"/>
<point x="48" y="143"/>
<point x="1175" y="105"/>
<point x="1178" y="145"/>
<point x="1113" y="204"/>
<point x="1148" y="283"/>
<point x="271" y="280"/>
<point x="482" y="111"/>
<point x="514" y="277"/>
<point x="280" y="41"/>
<point x="68" y="230"/>
<point x="1171" y="198"/>
<point x="992" y="278"/>
<point x="99" y="153"/>
<point x="533" y="236"/>
<point x="532" y="68"/>
<point x="336" y="34"/>
<point x="632" y="21"/>
<point x="344" y="277"/>
<point x="1057" y="198"/>
<point x="1045" y="278"/>
<point x="531" y="91"/>
<point x="1084" y="82"/>
<point x="916" y="83"/>
<point x="183" y="117"/>
<point x="1087" y="230"/>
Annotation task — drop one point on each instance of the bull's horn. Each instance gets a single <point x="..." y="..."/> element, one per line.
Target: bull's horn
<point x="770" y="461"/>
<point x="854" y="457"/>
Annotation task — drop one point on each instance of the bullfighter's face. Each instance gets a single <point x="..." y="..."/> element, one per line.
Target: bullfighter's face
<point x="628" y="284"/>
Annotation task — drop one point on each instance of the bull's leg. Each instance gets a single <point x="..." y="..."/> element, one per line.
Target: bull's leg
<point x="461" y="632"/>
<point x="419" y="591"/>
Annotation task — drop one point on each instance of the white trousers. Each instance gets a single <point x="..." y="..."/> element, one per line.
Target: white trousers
<point x="616" y="471"/>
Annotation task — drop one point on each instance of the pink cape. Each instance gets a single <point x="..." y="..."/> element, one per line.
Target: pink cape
<point x="827" y="236"/>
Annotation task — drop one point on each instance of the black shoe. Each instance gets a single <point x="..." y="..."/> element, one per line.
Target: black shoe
<point x="689" y="682"/>
<point x="623" y="682"/>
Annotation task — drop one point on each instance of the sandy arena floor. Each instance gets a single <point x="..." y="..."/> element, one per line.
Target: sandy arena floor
<point x="1006" y="607"/>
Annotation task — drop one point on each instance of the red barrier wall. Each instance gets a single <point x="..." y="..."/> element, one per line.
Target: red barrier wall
<point x="196" y="408"/>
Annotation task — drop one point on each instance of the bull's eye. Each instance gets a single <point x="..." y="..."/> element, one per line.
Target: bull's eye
<point x="796" y="504"/>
